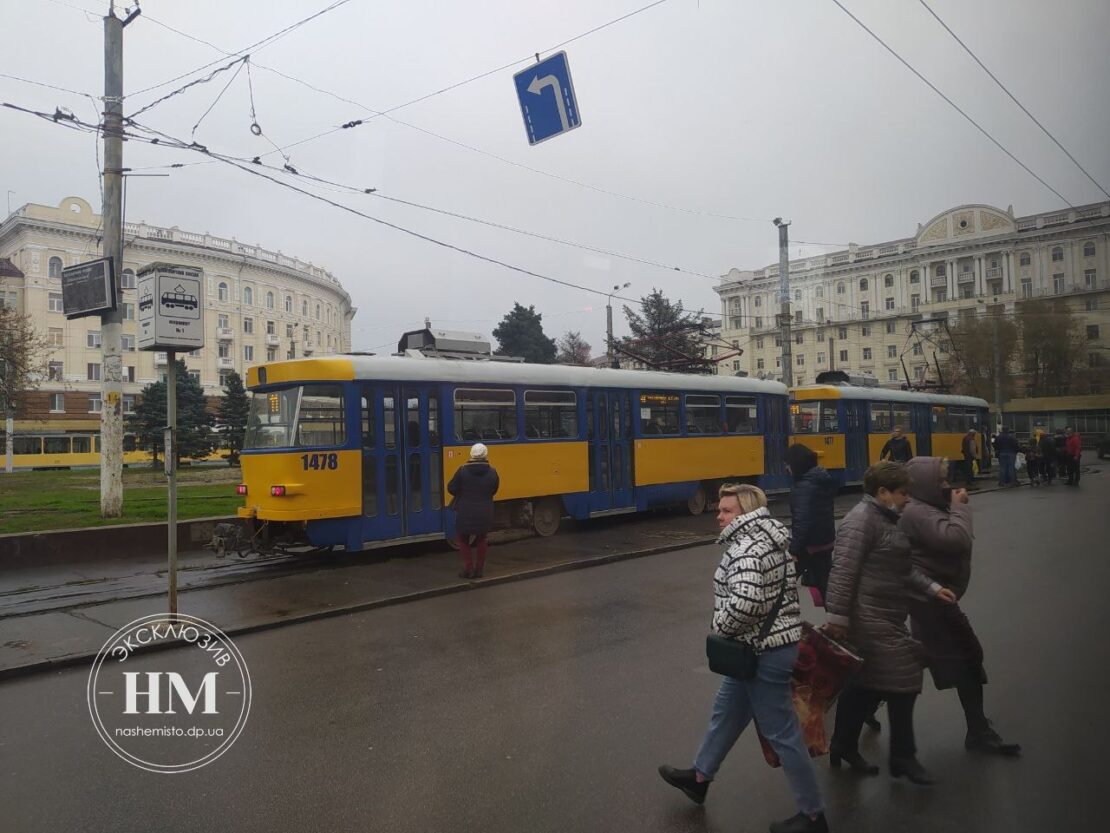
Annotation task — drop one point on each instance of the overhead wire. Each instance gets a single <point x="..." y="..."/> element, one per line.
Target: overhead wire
<point x="1013" y="98"/>
<point x="952" y="104"/>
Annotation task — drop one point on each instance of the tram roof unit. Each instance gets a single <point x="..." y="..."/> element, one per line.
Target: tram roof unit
<point x="409" y="369"/>
<point x="809" y="392"/>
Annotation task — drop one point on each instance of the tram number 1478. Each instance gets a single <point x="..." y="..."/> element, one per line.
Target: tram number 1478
<point x="319" y="462"/>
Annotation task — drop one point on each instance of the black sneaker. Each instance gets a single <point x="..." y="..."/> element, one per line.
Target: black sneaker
<point x="801" y="823"/>
<point x="687" y="781"/>
<point x="988" y="740"/>
<point x="467" y="574"/>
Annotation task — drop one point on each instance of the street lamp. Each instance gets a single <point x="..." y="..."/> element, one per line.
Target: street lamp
<point x="609" y="323"/>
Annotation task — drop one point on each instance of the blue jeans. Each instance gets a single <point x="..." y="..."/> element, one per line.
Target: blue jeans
<point x="1008" y="473"/>
<point x="767" y="698"/>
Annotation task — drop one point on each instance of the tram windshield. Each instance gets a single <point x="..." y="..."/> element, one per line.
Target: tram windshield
<point x="814" y="418"/>
<point x="300" y="416"/>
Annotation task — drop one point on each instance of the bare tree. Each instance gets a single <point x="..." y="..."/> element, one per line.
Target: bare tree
<point x="573" y="349"/>
<point x="23" y="360"/>
<point x="970" y="368"/>
<point x="1052" y="348"/>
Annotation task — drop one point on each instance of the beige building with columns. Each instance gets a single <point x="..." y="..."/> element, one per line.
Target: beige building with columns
<point x="853" y="309"/>
<point x="259" y="305"/>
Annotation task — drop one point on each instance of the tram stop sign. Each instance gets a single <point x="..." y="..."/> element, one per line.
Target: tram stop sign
<point x="171" y="307"/>
<point x="89" y="288"/>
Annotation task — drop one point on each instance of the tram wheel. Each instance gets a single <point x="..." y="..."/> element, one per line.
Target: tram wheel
<point x="696" y="503"/>
<point x="547" y="514"/>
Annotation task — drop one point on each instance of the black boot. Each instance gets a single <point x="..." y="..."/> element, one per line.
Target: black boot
<point x="912" y="769"/>
<point x="687" y="781"/>
<point x="988" y="740"/>
<point x="855" y="760"/>
<point x="801" y="823"/>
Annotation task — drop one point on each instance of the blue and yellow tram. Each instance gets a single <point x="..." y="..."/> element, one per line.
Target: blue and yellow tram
<point x="848" y="425"/>
<point x="357" y="451"/>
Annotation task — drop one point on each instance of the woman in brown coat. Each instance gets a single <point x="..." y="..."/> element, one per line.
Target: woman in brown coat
<point x="868" y="603"/>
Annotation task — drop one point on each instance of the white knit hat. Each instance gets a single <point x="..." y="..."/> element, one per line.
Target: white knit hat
<point x="478" y="451"/>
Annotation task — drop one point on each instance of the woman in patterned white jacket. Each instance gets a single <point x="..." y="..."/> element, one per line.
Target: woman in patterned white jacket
<point x="755" y="569"/>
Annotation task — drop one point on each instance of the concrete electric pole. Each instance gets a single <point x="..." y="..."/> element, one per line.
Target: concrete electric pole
<point x="609" y="352"/>
<point x="784" y="301"/>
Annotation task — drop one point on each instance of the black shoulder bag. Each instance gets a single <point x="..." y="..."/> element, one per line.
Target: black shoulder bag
<point x="733" y="658"/>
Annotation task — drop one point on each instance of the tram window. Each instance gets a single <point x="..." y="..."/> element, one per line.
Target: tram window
<point x="959" y="420"/>
<point x="129" y="443"/>
<point x="804" y="417"/>
<point x="740" y="414"/>
<point x="603" y="470"/>
<point x="370" y="487"/>
<point x="830" y="419"/>
<point x="550" y="414"/>
<point x="880" y="417"/>
<point x="485" y="415"/>
<point x="96" y="443"/>
<point x="368" y="439"/>
<point x="412" y="419"/>
<point x="435" y="482"/>
<point x="433" y="420"/>
<point x="618" y="467"/>
<point x="603" y="417"/>
<point x="320" y="417"/>
<point x="81" y="445"/>
<point x="940" y="419"/>
<point x="55" y="445"/>
<point x="392" y="485"/>
<point x="27" y="445"/>
<point x="389" y="421"/>
<point x="902" y="417"/>
<point x="703" y="414"/>
<point x="659" y="413"/>
<point x="416" y="484"/>
<point x="616" y="417"/>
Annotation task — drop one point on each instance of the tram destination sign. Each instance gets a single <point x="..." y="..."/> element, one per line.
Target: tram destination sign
<point x="171" y="307"/>
<point x="89" y="288"/>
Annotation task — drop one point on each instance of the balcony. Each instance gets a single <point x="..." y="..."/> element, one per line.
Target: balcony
<point x="308" y="349"/>
<point x="225" y="363"/>
<point x="938" y="280"/>
<point x="273" y="340"/>
<point x="966" y="277"/>
<point x="160" y="359"/>
<point x="225" y="333"/>
<point x="995" y="272"/>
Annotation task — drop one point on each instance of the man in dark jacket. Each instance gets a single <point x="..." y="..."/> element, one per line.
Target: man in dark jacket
<point x="1008" y="448"/>
<point x="1047" y="448"/>
<point x="897" y="448"/>
<point x="812" y="527"/>
<point x="473" y="487"/>
<point x="968" y="449"/>
<point x="937" y="522"/>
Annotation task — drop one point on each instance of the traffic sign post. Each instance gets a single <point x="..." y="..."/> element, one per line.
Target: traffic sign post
<point x="171" y="318"/>
<point x="547" y="100"/>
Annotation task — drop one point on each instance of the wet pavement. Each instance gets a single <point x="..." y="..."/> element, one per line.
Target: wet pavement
<point x="546" y="706"/>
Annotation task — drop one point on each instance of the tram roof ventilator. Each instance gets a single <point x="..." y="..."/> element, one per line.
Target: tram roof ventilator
<point x="429" y="343"/>
<point x="842" y="377"/>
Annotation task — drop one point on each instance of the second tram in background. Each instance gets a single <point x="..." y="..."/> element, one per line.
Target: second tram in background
<point x="848" y="424"/>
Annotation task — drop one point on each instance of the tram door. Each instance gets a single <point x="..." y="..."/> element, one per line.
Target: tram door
<point x="855" y="439"/>
<point x="402" y="476"/>
<point x="610" y="451"/>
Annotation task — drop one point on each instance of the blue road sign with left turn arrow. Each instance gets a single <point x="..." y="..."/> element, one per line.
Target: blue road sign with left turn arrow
<point x="547" y="99"/>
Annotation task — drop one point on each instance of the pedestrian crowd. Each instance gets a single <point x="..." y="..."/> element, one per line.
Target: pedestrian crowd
<point x="891" y="580"/>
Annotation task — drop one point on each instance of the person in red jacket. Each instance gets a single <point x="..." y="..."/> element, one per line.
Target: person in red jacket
<point x="1073" y="448"/>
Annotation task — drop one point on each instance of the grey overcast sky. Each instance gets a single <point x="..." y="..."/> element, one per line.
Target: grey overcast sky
<point x="747" y="109"/>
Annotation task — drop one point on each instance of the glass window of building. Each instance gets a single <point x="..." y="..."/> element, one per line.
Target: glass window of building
<point x="54" y="267"/>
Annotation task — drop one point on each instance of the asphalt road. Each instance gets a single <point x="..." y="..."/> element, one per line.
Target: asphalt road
<point x="547" y="705"/>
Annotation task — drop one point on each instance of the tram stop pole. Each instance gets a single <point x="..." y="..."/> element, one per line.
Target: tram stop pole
<point x="171" y="475"/>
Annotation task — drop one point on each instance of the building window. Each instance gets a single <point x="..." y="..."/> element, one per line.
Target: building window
<point x="759" y="344"/>
<point x="1058" y="283"/>
<point x="1026" y="288"/>
<point x="317" y="312"/>
<point x="865" y="310"/>
<point x="224" y="351"/>
<point x="54" y="302"/>
<point x="1024" y="260"/>
<point x="890" y="325"/>
<point x="1088" y="250"/>
<point x="92" y="371"/>
<point x="915" y="276"/>
<point x="129" y="373"/>
<point x="940" y="295"/>
<point x="919" y="372"/>
<point x="819" y="292"/>
<point x="1089" y="278"/>
<point x="127" y="343"/>
<point x="797" y="294"/>
<point x="248" y="352"/>
<point x="54" y="267"/>
<point x="288" y="303"/>
<point x="888" y="280"/>
<point x="128" y="312"/>
<point x="917" y="349"/>
<point x="842" y="333"/>
<point x="967" y="290"/>
<point x="248" y="296"/>
<point x="863" y="284"/>
<point x="915" y="302"/>
<point x="1092" y="332"/>
<point x="271" y="354"/>
<point x="92" y="338"/>
<point x="270" y="330"/>
<point x="1090" y="304"/>
<point x="55" y="337"/>
<point x="129" y="403"/>
<point x="865" y="331"/>
<point x="867" y="354"/>
<point x="778" y="341"/>
<point x="891" y="351"/>
<point x="195" y="376"/>
<point x="840" y="288"/>
<point x="820" y="335"/>
<point x="56" y="372"/>
<point x="127" y="279"/>
<point x="800" y="359"/>
<point x="798" y="317"/>
<point x="221" y="291"/>
<point x="759" y="364"/>
<point x="269" y="300"/>
<point x="843" y="355"/>
<point x="799" y="338"/>
<point x="890" y="303"/>
<point x="222" y="321"/>
<point x="820" y="358"/>
<point x="759" y="322"/>
<point x="1057" y="254"/>
<point x="941" y="270"/>
<point x="57" y="403"/>
<point x="758" y="300"/>
<point x="820" y="315"/>
<point x="248" y="325"/>
<point x="288" y="330"/>
<point x="1094" y="360"/>
<point x="778" y="363"/>
<point x="95" y="406"/>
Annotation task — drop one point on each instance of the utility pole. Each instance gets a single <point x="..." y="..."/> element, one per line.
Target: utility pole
<point x="784" y="301"/>
<point x="997" y="374"/>
<point x="609" y="351"/>
<point x="111" y="322"/>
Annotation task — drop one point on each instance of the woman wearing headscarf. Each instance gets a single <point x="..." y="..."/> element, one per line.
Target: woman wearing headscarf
<point x="473" y="487"/>
<point x="868" y="603"/>
<point x="756" y="602"/>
